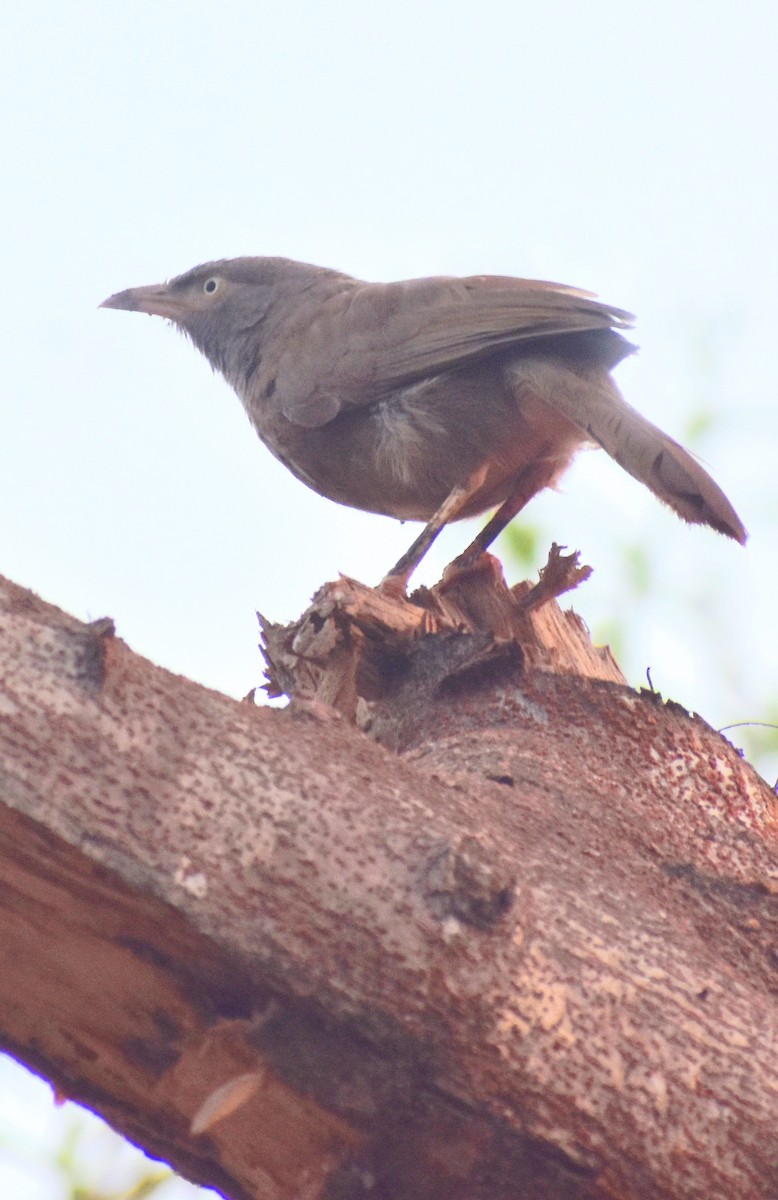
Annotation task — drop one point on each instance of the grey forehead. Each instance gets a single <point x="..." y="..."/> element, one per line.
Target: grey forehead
<point x="218" y="267"/>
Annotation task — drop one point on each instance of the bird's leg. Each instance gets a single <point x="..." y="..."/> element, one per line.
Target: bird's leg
<point x="396" y="580"/>
<point x="535" y="476"/>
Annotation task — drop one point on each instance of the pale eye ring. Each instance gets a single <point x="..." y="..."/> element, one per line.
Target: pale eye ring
<point x="210" y="286"/>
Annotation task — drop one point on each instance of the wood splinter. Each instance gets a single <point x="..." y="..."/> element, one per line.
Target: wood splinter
<point x="355" y="643"/>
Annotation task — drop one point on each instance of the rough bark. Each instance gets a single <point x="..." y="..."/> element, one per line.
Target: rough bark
<point x="526" y="948"/>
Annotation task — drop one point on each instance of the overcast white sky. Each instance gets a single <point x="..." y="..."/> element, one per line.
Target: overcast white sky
<point x="626" y="148"/>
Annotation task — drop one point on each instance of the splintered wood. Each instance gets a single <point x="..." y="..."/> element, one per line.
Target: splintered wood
<point x="353" y="639"/>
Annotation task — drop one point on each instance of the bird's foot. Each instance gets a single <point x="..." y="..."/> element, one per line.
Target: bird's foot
<point x="467" y="565"/>
<point x="395" y="585"/>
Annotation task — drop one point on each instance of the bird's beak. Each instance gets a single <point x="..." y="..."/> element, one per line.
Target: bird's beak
<point x="157" y="300"/>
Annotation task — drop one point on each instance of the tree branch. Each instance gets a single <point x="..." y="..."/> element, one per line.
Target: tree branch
<point x="529" y="952"/>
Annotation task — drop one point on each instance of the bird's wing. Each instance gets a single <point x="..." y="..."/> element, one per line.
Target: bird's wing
<point x="372" y="338"/>
<point x="443" y="324"/>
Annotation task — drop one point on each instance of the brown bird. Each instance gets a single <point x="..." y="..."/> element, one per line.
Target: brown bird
<point x="429" y="400"/>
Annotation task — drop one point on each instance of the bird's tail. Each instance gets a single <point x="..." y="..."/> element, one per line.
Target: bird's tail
<point x="596" y="405"/>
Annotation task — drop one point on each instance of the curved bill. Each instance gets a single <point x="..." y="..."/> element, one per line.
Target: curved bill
<point x="158" y="300"/>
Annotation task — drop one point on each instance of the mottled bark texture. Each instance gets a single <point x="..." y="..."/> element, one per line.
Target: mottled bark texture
<point x="500" y="928"/>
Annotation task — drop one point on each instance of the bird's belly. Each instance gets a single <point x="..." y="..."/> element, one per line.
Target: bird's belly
<point x="402" y="455"/>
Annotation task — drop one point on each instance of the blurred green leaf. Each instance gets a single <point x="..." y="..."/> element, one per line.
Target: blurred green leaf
<point x="611" y="633"/>
<point x="637" y="570"/>
<point x="758" y="739"/>
<point x="698" y="424"/>
<point x="520" y="543"/>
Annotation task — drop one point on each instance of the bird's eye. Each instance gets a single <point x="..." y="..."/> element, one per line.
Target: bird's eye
<point x="210" y="286"/>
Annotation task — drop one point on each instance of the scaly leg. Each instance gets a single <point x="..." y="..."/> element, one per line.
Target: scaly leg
<point x="532" y="479"/>
<point x="396" y="580"/>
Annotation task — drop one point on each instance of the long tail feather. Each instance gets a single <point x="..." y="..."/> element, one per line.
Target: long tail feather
<point x="649" y="455"/>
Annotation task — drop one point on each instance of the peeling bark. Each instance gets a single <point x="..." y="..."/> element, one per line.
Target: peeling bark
<point x="513" y="937"/>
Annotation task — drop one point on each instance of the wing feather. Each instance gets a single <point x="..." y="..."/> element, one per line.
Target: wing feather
<point x="373" y="337"/>
<point x="406" y="331"/>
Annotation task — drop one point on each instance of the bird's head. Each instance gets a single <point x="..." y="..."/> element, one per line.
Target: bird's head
<point x="222" y="305"/>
